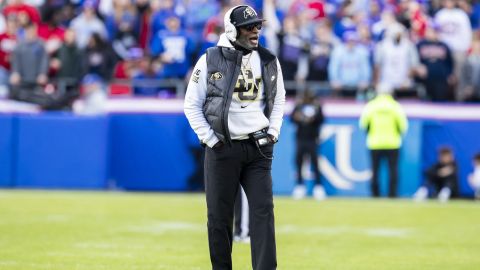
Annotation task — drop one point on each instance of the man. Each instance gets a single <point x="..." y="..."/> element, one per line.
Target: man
<point x="385" y="122"/>
<point x="436" y="73"/>
<point x="396" y="61"/>
<point x="234" y="103"/>
<point x="308" y="117"/>
<point x="441" y="176"/>
<point x="29" y="69"/>
<point x="349" y="68"/>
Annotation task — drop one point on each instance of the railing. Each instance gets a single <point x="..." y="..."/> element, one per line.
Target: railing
<point x="322" y="88"/>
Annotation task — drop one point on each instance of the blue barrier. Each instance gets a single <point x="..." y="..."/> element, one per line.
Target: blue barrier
<point x="6" y="150"/>
<point x="344" y="160"/>
<point x="462" y="137"/>
<point x="61" y="150"/>
<point x="150" y="151"/>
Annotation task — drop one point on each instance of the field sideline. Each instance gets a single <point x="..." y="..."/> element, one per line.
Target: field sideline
<point x="118" y="231"/>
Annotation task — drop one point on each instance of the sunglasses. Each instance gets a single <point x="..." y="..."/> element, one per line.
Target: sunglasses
<point x="250" y="27"/>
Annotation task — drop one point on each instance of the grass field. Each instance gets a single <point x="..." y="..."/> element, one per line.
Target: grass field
<point x="117" y="231"/>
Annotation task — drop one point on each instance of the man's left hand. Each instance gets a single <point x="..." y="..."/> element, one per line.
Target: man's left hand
<point x="272" y="138"/>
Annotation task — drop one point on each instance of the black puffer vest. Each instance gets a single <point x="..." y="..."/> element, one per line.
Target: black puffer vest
<point x="223" y="66"/>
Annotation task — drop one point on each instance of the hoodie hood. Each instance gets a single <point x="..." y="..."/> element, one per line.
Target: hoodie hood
<point x="224" y="41"/>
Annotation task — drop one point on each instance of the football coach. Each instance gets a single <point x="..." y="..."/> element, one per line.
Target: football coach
<point x="235" y="102"/>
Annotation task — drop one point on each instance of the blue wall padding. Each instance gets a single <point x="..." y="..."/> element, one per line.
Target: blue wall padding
<point x="6" y="150"/>
<point x="354" y="157"/>
<point x="61" y="150"/>
<point x="150" y="151"/>
<point x="462" y="137"/>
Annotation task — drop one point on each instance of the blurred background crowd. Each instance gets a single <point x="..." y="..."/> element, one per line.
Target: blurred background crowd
<point x="52" y="51"/>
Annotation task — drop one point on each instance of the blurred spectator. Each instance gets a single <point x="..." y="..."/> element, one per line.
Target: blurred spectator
<point x="144" y="82"/>
<point x="474" y="177"/>
<point x="396" y="60"/>
<point x="144" y="12"/>
<point x="123" y="18"/>
<point x="349" y="68"/>
<point x="456" y="32"/>
<point x="19" y="8"/>
<point x="29" y="64"/>
<point x="67" y="63"/>
<point x="173" y="48"/>
<point x="8" y="42"/>
<point x="87" y="23"/>
<point x="94" y="95"/>
<point x="99" y="58"/>
<point x="291" y="49"/>
<point x="385" y="122"/>
<point x="130" y="66"/>
<point x="417" y="20"/>
<point x="470" y="87"/>
<point x="321" y="47"/>
<point x="437" y="66"/>
<point x="441" y="176"/>
<point x="125" y="37"/>
<point x="197" y="14"/>
<point x="308" y="118"/>
<point x="162" y="10"/>
<point x="52" y="33"/>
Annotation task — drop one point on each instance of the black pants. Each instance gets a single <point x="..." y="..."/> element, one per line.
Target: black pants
<point x="241" y="219"/>
<point x="225" y="169"/>
<point x="391" y="155"/>
<point x="309" y="149"/>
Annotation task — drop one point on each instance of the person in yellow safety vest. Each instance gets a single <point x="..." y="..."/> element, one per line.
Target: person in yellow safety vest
<point x="385" y="122"/>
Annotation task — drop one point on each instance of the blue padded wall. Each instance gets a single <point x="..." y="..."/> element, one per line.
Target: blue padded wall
<point x="150" y="151"/>
<point x="62" y="150"/>
<point x="6" y="147"/>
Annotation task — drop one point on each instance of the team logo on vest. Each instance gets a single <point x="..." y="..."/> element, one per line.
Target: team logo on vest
<point x="216" y="76"/>
<point x="249" y="13"/>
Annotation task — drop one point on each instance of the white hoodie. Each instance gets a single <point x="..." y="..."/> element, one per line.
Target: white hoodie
<point x="246" y="110"/>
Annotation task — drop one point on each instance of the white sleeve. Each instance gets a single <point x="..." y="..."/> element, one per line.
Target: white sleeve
<point x="276" y="117"/>
<point x="194" y="100"/>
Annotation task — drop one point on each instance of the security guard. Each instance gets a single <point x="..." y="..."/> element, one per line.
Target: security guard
<point x="385" y="122"/>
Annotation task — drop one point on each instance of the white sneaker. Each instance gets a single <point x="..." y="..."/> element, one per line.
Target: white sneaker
<point x="421" y="194"/>
<point x="444" y="194"/>
<point x="299" y="192"/>
<point x="319" y="193"/>
<point x="241" y="239"/>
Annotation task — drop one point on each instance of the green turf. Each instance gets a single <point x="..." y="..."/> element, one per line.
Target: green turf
<point x="116" y="231"/>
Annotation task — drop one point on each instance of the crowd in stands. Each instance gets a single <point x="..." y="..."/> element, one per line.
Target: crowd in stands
<point x="428" y="49"/>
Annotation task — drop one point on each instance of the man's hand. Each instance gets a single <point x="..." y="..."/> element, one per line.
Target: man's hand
<point x="218" y="145"/>
<point x="272" y="138"/>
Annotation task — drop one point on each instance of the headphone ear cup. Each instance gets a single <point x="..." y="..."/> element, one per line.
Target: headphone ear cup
<point x="231" y="32"/>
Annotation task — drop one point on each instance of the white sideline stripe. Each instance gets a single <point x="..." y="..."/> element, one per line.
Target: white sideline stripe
<point x="376" y="232"/>
<point x="164" y="227"/>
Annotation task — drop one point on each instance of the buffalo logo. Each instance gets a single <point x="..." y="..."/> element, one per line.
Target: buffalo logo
<point x="249" y="13"/>
<point x="216" y="76"/>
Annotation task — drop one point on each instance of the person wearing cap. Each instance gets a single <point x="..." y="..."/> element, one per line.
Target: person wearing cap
<point x="235" y="104"/>
<point x="385" y="122"/>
